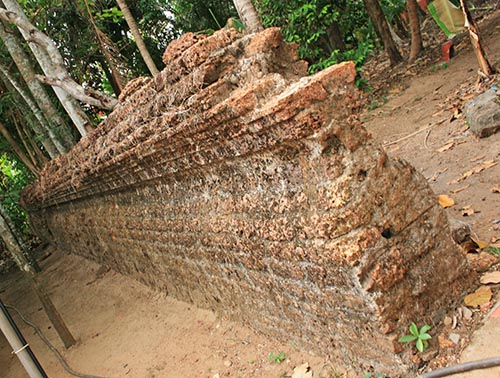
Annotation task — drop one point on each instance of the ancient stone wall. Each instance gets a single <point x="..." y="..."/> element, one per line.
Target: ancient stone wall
<point x="235" y="181"/>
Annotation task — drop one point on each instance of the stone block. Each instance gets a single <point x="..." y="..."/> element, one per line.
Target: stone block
<point x="483" y="113"/>
<point x="236" y="182"/>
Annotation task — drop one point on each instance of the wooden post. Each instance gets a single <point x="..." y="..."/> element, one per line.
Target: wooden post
<point x="475" y="39"/>
<point x="30" y="268"/>
<point x="54" y="316"/>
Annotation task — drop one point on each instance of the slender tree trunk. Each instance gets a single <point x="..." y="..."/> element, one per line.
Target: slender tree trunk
<point x="18" y="150"/>
<point x="25" y="66"/>
<point x="475" y="39"/>
<point x="42" y="129"/>
<point x="51" y="68"/>
<point x="416" y="36"/>
<point x="116" y="80"/>
<point x="21" y="256"/>
<point x="380" y="24"/>
<point x="23" y="129"/>
<point x="137" y="36"/>
<point x="59" y="75"/>
<point x="248" y="15"/>
<point x="28" y="147"/>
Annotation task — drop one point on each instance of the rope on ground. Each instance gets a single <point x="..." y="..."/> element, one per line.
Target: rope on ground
<point x="61" y="359"/>
<point x="461" y="368"/>
<point x="415" y="132"/>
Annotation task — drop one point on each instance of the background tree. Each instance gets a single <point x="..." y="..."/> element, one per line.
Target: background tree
<point x="381" y="26"/>
<point x="416" y="36"/>
<point x="129" y="18"/>
<point x="248" y="15"/>
<point x="475" y="38"/>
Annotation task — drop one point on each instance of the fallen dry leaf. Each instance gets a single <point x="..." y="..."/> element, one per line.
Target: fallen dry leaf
<point x="445" y="200"/>
<point x="438" y="113"/>
<point x="490" y="278"/>
<point x="477" y="158"/>
<point x="480" y="243"/>
<point x="486" y="165"/>
<point x="446" y="147"/>
<point x="458" y="190"/>
<point x="496" y="188"/>
<point x="302" y="371"/>
<point x="479" y="297"/>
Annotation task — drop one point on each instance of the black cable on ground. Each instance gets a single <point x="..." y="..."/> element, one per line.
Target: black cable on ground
<point x="61" y="359"/>
<point x="462" y="368"/>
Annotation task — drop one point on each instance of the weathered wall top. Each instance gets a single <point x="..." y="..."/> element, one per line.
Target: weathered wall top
<point x="234" y="181"/>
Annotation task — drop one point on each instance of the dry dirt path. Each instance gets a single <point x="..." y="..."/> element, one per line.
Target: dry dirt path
<point x="424" y="106"/>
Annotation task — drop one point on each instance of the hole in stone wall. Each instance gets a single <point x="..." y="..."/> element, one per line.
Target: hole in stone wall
<point x="387" y="233"/>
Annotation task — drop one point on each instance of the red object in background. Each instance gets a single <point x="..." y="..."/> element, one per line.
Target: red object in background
<point x="447" y="50"/>
<point x="423" y="5"/>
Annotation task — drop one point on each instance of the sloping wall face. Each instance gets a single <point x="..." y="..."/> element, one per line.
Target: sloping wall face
<point x="235" y="181"/>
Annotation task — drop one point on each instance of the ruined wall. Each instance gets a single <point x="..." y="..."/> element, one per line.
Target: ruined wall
<point x="235" y="181"/>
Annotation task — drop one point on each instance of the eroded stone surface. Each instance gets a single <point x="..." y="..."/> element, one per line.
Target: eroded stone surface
<point x="234" y="181"/>
<point x="483" y="113"/>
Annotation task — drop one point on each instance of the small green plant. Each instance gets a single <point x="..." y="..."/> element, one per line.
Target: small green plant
<point x="277" y="358"/>
<point x="419" y="336"/>
<point x="495" y="251"/>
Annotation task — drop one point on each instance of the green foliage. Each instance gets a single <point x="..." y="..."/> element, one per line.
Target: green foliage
<point x="277" y="358"/>
<point x="495" y="251"/>
<point x="307" y="23"/>
<point x="113" y="14"/>
<point x="13" y="178"/>
<point x="419" y="336"/>
<point x="196" y="15"/>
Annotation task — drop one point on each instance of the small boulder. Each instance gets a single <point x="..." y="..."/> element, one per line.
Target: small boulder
<point x="483" y="113"/>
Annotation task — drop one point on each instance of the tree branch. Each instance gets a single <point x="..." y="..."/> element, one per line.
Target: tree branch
<point x="61" y="73"/>
<point x="89" y="96"/>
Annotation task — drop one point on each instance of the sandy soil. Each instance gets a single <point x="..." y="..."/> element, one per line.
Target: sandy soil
<point x="126" y="330"/>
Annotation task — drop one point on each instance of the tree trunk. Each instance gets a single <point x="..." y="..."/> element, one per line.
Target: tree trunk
<point x="40" y="126"/>
<point x="108" y="50"/>
<point x="248" y="15"/>
<point x="475" y="39"/>
<point x="25" y="67"/>
<point x="73" y="109"/>
<point x="137" y="36"/>
<point x="382" y="28"/>
<point x="18" y="150"/>
<point x="41" y="158"/>
<point x="31" y="148"/>
<point x="15" y="246"/>
<point x="336" y="38"/>
<point x="416" y="36"/>
<point x="60" y="76"/>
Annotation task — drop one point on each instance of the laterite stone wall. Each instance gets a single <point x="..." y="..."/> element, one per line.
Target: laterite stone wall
<point x="236" y="182"/>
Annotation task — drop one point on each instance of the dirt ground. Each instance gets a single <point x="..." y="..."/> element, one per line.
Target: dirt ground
<point x="126" y="330"/>
<point x="423" y="115"/>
